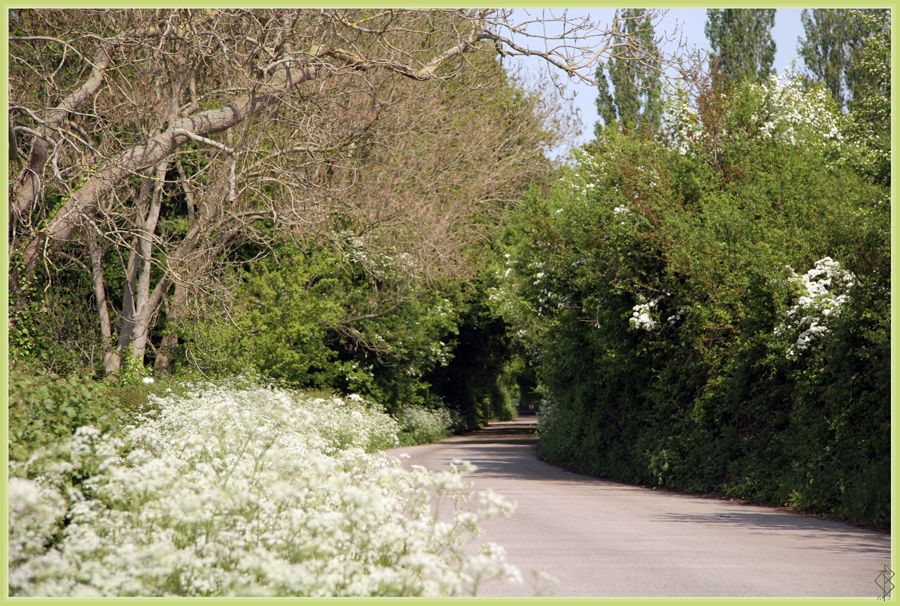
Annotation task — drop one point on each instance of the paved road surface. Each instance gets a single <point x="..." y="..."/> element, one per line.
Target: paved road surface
<point x="603" y="539"/>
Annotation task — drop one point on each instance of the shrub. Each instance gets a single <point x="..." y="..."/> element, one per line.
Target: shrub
<point x="45" y="407"/>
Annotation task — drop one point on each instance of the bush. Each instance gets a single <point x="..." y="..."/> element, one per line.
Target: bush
<point x="243" y="490"/>
<point x="45" y="408"/>
<point x="711" y="307"/>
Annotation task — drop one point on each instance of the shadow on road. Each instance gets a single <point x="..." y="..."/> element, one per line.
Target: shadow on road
<point x="843" y="538"/>
<point x="500" y="431"/>
<point x="508" y="451"/>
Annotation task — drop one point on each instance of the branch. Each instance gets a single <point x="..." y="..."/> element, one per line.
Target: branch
<point x="180" y="132"/>
<point x="30" y="181"/>
<point x="141" y="157"/>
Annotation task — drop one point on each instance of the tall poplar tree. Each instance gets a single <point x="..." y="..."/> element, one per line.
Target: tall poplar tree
<point x="742" y="44"/>
<point x="635" y="101"/>
<point x="833" y="48"/>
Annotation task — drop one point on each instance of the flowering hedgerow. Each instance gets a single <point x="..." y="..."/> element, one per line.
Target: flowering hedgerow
<point x="247" y="491"/>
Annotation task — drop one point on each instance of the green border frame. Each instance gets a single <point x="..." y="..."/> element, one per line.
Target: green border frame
<point x="582" y="4"/>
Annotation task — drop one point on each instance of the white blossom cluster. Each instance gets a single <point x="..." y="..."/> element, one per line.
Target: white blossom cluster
<point x="545" y="296"/>
<point x="793" y="115"/>
<point x="823" y="292"/>
<point x="587" y="169"/>
<point x="640" y="317"/>
<point x="244" y="492"/>
<point x="381" y="265"/>
<point x="685" y="120"/>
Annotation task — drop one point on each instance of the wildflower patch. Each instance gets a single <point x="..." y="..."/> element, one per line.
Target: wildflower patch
<point x="231" y="491"/>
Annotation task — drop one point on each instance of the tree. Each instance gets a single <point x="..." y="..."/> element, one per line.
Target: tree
<point x="166" y="147"/>
<point x="870" y="119"/>
<point x="634" y="73"/>
<point x="833" y="49"/>
<point x="355" y="295"/>
<point x="742" y="44"/>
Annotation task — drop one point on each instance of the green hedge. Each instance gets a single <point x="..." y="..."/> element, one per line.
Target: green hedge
<point x="663" y="280"/>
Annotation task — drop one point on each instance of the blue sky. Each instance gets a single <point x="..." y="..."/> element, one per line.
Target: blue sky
<point x="787" y="29"/>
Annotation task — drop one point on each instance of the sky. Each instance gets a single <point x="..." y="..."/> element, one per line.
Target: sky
<point x="787" y="29"/>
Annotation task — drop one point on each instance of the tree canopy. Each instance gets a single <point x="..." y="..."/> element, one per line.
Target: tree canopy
<point x="635" y="100"/>
<point x="742" y="44"/>
<point x="833" y="49"/>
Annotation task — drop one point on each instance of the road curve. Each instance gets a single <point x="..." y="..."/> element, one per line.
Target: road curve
<point x="603" y="539"/>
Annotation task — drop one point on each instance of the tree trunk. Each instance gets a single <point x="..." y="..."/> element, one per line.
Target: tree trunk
<point x="176" y="311"/>
<point x="142" y="314"/>
<point x="111" y="361"/>
<point x="129" y="288"/>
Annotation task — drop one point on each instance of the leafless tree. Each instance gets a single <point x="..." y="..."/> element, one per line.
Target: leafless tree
<point x="164" y="139"/>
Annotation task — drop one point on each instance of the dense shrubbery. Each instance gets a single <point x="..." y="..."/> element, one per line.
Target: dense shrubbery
<point x="355" y="321"/>
<point x="44" y="407"/>
<point x="242" y="490"/>
<point x="712" y="306"/>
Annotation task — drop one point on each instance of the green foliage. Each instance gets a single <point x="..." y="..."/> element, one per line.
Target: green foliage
<point x="354" y="320"/>
<point x="741" y="42"/>
<point x="870" y="121"/>
<point x="662" y="282"/>
<point x="286" y="308"/>
<point x="46" y="408"/>
<point x="833" y="49"/>
<point x="636" y="100"/>
<point x="472" y="382"/>
<point x="49" y="317"/>
<point x="132" y="372"/>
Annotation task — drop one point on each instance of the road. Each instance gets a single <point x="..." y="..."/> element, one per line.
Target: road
<point x="604" y="539"/>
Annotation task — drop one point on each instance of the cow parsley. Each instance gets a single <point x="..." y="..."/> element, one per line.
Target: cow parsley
<point x="244" y="492"/>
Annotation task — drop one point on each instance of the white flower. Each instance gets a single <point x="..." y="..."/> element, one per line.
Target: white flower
<point x="823" y="292"/>
<point x="247" y="491"/>
<point x="640" y="318"/>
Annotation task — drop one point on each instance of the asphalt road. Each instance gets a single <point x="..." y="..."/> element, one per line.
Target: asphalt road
<point x="604" y="539"/>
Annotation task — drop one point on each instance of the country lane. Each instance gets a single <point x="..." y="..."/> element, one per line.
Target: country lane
<point x="600" y="538"/>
